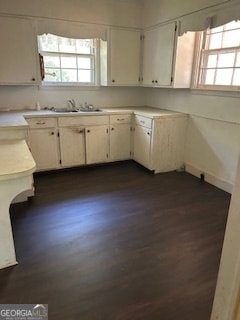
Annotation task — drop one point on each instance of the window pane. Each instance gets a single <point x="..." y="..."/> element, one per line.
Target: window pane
<point x="232" y="25"/>
<point x="68" y="62"/>
<point x="69" y="75"/>
<point x="84" y="46"/>
<point x="52" y="75"/>
<point x="236" y="78"/>
<point x="226" y="60"/>
<point x="209" y="77"/>
<point x="85" y="76"/>
<point x="231" y="39"/>
<point x="49" y="42"/>
<point x="50" y="61"/>
<point x="215" y="41"/>
<point x="67" y="45"/>
<point x="215" y="30"/>
<point x="212" y="61"/>
<point x="84" y="63"/>
<point x="224" y="77"/>
<point x="238" y="60"/>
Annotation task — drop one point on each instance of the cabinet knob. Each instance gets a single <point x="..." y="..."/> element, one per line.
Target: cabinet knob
<point x="113" y="80"/>
<point x="88" y="130"/>
<point x="152" y="81"/>
<point x="156" y="81"/>
<point x="33" y="79"/>
<point x="52" y="133"/>
<point x="149" y="133"/>
<point x="80" y="131"/>
<point x="112" y="129"/>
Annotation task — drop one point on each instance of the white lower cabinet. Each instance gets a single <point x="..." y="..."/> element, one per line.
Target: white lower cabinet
<point x="83" y="140"/>
<point x="43" y="142"/>
<point x="120" y="137"/>
<point x="72" y="146"/>
<point x="159" y="143"/>
<point x="155" y="142"/>
<point x="97" y="144"/>
<point x="142" y="141"/>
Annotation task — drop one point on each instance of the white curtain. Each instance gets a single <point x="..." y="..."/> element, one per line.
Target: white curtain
<point x="68" y="29"/>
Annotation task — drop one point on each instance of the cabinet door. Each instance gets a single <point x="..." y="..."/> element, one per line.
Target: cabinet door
<point x="158" y="56"/>
<point x="125" y="57"/>
<point x="142" y="146"/>
<point x="120" y="142"/>
<point x="148" y="57"/>
<point x="44" y="148"/>
<point x="18" y="55"/>
<point x="72" y="146"/>
<point x="97" y="144"/>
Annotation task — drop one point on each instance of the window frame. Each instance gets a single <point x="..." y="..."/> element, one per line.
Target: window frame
<point x="95" y="56"/>
<point x="200" y="51"/>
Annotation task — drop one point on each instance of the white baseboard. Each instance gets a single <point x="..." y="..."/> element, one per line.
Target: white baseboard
<point x="208" y="177"/>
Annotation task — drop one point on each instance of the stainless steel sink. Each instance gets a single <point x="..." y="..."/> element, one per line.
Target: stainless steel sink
<point x="90" y="110"/>
<point x="66" y="110"/>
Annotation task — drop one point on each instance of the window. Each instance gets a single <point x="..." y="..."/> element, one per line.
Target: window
<point x="67" y="61"/>
<point x="219" y="58"/>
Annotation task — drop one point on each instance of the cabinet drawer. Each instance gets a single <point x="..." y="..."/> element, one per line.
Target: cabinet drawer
<point x="83" y="121"/>
<point x="143" y="121"/>
<point x="120" y="118"/>
<point x="42" y="122"/>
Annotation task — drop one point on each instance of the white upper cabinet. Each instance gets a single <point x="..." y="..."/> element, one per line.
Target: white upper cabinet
<point x="167" y="59"/>
<point x="120" y="58"/>
<point x="18" y="55"/>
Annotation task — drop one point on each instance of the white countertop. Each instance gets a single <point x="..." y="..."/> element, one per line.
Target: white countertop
<point x="16" y="119"/>
<point x="15" y="159"/>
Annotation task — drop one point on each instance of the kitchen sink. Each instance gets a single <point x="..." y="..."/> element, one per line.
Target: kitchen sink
<point x="90" y="110"/>
<point x="66" y="110"/>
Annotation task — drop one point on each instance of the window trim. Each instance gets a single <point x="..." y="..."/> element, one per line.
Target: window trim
<point x="60" y="84"/>
<point x="196" y="85"/>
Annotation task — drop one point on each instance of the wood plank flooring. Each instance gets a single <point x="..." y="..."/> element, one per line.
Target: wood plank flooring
<point x="117" y="242"/>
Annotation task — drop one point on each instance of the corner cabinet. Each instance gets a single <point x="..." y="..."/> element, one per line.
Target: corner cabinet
<point x="18" y="54"/>
<point x="167" y="58"/>
<point x="159" y="142"/>
<point x="120" y="58"/>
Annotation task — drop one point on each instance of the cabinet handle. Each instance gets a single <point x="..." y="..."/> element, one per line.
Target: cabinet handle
<point x="141" y="121"/>
<point x="41" y="123"/>
<point x="52" y="133"/>
<point x="120" y="119"/>
<point x="80" y="131"/>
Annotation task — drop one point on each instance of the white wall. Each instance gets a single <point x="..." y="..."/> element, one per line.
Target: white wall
<point x="105" y="12"/>
<point x="213" y="137"/>
<point x="22" y="97"/>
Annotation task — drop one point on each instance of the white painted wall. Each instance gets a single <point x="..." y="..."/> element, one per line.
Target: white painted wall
<point x="22" y="97"/>
<point x="105" y="12"/>
<point x="213" y="135"/>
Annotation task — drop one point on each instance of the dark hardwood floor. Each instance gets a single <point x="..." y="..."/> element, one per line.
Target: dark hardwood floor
<point x="117" y="242"/>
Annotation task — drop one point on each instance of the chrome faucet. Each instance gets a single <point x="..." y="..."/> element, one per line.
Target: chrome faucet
<point x="72" y="103"/>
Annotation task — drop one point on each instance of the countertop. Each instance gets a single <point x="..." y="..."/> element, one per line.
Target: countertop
<point x="15" y="159"/>
<point x="16" y="119"/>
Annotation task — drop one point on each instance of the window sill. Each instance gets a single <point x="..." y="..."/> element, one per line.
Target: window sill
<point x="220" y="91"/>
<point x="64" y="86"/>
